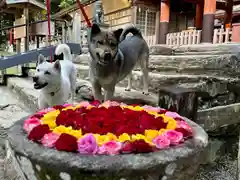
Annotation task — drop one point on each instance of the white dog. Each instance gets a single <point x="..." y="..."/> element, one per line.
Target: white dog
<point x="56" y="80"/>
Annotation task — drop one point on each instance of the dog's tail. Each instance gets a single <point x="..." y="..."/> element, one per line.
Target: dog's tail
<point x="65" y="50"/>
<point x="130" y="29"/>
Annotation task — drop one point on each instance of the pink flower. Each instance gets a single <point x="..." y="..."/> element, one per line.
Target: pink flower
<point x="175" y="137"/>
<point x="49" y="139"/>
<point x="151" y="108"/>
<point x="84" y="104"/>
<point x="88" y="145"/>
<point x="161" y="142"/>
<point x="173" y="114"/>
<point x="66" y="105"/>
<point x="184" y="128"/>
<point x="110" y="148"/>
<point x="31" y="123"/>
<point x="110" y="103"/>
<point x="45" y="111"/>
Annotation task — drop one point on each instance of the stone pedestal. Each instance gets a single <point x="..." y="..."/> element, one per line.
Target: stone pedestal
<point x="38" y="162"/>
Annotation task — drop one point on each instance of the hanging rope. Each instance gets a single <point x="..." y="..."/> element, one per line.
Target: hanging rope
<point x="81" y="7"/>
<point x="48" y="4"/>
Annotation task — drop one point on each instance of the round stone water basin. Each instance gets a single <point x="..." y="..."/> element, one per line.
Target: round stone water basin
<point x="40" y="163"/>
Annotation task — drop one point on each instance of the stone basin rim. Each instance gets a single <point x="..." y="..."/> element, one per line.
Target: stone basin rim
<point x="133" y="162"/>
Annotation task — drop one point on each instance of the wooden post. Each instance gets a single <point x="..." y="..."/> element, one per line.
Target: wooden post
<point x="157" y="30"/>
<point x="228" y="14"/>
<point x="199" y="16"/>
<point x="63" y="33"/>
<point x="26" y="43"/>
<point x="134" y="15"/>
<point x="208" y="21"/>
<point x="164" y="21"/>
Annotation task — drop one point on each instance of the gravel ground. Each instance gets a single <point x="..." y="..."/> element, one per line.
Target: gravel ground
<point x="225" y="168"/>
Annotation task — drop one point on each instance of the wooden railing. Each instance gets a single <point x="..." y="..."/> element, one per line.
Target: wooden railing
<point x="222" y="36"/>
<point x="151" y="40"/>
<point x="184" y="38"/>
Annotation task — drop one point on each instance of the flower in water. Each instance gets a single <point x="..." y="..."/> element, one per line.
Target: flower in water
<point x="45" y="111"/>
<point x="88" y="144"/>
<point x="161" y="142"/>
<point x="110" y="148"/>
<point x="175" y="137"/>
<point x="83" y="104"/>
<point x="31" y="123"/>
<point x="173" y="114"/>
<point x="184" y="128"/>
<point x="151" y="108"/>
<point x="107" y="104"/>
<point x="49" y="139"/>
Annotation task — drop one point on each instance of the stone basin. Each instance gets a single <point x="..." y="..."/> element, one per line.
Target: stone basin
<point x="40" y="163"/>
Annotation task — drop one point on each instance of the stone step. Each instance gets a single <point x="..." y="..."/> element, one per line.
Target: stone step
<point x="23" y="88"/>
<point x="227" y="65"/>
<point x="228" y="47"/>
<point x="157" y="79"/>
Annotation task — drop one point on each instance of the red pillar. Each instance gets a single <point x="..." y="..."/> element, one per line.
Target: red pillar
<point x="199" y="16"/>
<point x="228" y="14"/>
<point x="208" y="20"/>
<point x="164" y="21"/>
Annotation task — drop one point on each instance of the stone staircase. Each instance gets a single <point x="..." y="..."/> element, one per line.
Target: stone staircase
<point x="207" y="68"/>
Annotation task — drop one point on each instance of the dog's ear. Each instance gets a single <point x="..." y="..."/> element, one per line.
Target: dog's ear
<point x="41" y="59"/>
<point x="57" y="65"/>
<point x="95" y="29"/>
<point x="117" y="33"/>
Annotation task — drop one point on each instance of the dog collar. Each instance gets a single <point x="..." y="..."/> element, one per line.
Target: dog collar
<point x="53" y="93"/>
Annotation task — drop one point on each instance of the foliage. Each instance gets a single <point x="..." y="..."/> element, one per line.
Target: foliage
<point x="66" y="3"/>
<point x="6" y="20"/>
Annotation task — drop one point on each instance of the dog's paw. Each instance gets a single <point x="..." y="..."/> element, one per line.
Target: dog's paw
<point x="127" y="89"/>
<point x="145" y="93"/>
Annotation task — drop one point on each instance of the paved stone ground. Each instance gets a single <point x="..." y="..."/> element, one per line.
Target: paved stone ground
<point x="11" y="110"/>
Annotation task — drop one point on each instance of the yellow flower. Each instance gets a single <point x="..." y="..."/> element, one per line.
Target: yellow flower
<point x="68" y="130"/>
<point x="162" y="131"/>
<point x="166" y="118"/>
<point x="172" y="124"/>
<point x="151" y="134"/>
<point x="138" y="137"/>
<point x="69" y="107"/>
<point x="111" y="136"/>
<point x="90" y="107"/>
<point x="101" y="139"/>
<point x="141" y="137"/>
<point x="135" y="108"/>
<point x="50" y="118"/>
<point x="51" y="124"/>
<point x="124" y="137"/>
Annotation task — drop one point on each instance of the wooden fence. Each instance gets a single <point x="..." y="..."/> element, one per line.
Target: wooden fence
<point x="221" y="36"/>
<point x="194" y="37"/>
<point x="184" y="38"/>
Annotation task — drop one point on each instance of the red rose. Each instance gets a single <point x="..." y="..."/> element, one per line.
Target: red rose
<point x="39" y="116"/>
<point x="162" y="111"/>
<point x="37" y="133"/>
<point x="139" y="146"/>
<point x="127" y="148"/>
<point x="95" y="103"/>
<point x="66" y="142"/>
<point x="59" y="107"/>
